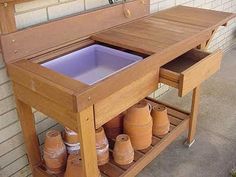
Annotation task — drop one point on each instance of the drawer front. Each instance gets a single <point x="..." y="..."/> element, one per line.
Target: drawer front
<point x="191" y="77"/>
<point x="201" y="71"/>
<point x="169" y="78"/>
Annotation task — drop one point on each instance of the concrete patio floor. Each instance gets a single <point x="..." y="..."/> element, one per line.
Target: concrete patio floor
<point x="214" y="152"/>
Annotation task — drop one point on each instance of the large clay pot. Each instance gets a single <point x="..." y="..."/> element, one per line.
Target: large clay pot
<point x="54" y="152"/>
<point x="74" y="166"/>
<point x="114" y="127"/>
<point x="161" y="123"/>
<point x="138" y="125"/>
<point x="123" y="152"/>
<point x="71" y="139"/>
<point x="102" y="147"/>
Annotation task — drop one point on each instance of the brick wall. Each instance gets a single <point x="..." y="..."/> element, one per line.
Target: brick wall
<point x="13" y="161"/>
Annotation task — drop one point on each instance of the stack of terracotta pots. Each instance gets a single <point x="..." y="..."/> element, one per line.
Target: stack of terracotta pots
<point x="102" y="147"/>
<point x="71" y="139"/>
<point x="54" y="152"/>
<point x="123" y="152"/>
<point x="114" y="127"/>
<point x="161" y="123"/>
<point x="138" y="125"/>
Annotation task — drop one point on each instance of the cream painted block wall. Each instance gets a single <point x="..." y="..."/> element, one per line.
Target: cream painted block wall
<point x="13" y="160"/>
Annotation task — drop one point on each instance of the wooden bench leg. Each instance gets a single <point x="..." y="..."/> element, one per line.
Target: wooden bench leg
<point x="193" y="118"/>
<point x="86" y="130"/>
<point x="30" y="137"/>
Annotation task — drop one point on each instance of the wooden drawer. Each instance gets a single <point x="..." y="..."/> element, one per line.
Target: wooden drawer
<point x="190" y="69"/>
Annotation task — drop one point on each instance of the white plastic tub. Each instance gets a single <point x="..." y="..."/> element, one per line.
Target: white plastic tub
<point x="92" y="64"/>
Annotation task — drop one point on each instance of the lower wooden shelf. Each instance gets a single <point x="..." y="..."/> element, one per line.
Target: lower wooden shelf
<point x="179" y="123"/>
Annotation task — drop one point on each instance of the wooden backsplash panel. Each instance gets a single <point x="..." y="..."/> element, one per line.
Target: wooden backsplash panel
<point x="36" y="39"/>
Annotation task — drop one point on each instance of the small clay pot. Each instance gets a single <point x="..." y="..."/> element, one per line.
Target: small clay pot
<point x="161" y="123"/>
<point x="123" y="152"/>
<point x="54" y="152"/>
<point x="102" y="147"/>
<point x="138" y="125"/>
<point x="114" y="127"/>
<point x="70" y="137"/>
<point x="74" y="166"/>
<point x="71" y="140"/>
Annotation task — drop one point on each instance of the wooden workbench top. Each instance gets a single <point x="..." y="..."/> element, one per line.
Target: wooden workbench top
<point x="164" y="36"/>
<point x="163" y="29"/>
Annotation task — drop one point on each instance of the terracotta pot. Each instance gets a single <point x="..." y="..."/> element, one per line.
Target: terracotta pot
<point x="138" y="125"/>
<point x="54" y="152"/>
<point x="102" y="147"/>
<point x="123" y="152"/>
<point x="161" y="123"/>
<point x="114" y="127"/>
<point x="74" y="166"/>
<point x="71" y="139"/>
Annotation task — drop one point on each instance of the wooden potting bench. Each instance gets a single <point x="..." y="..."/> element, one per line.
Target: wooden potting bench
<point x="172" y="43"/>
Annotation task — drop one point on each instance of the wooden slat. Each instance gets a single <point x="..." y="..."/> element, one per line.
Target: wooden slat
<point x="174" y="121"/>
<point x="137" y="156"/>
<point x="198" y="17"/>
<point x="178" y="111"/>
<point x="127" y="41"/>
<point x="144" y="151"/>
<point x="155" y="140"/>
<point x="36" y="39"/>
<point x="172" y="127"/>
<point x="173" y="111"/>
<point x="111" y="170"/>
<point x="173" y="25"/>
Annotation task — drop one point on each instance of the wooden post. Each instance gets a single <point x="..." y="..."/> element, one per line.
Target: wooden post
<point x="27" y="121"/>
<point x="7" y="17"/>
<point x="86" y="132"/>
<point x="193" y="116"/>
